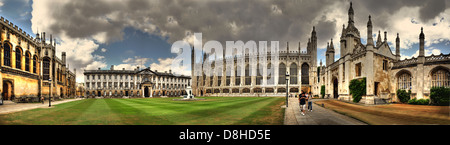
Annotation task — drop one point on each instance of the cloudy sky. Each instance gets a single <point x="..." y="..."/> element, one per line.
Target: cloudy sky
<point x="130" y="33"/>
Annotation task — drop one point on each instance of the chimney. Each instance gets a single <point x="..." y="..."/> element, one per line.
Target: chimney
<point x="98" y="68"/>
<point x="170" y="71"/>
<point x="112" y="67"/>
<point x="51" y="39"/>
<point x="138" y="68"/>
<point x="123" y="68"/>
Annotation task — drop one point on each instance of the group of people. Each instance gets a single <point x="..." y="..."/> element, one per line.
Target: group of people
<point x="302" y="98"/>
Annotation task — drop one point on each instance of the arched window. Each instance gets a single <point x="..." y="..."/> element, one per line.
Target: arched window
<point x="282" y="74"/>
<point x="18" y="58"/>
<point x="293" y="74"/>
<point x="35" y="64"/>
<point x="7" y="54"/>
<point x="305" y="74"/>
<point x="440" y="78"/>
<point x="404" y="81"/>
<point x="46" y="69"/>
<point x="27" y="61"/>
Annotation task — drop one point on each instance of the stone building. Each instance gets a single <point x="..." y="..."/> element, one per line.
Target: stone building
<point x="134" y="83"/>
<point x="243" y="77"/>
<point x="385" y="73"/>
<point x="28" y="64"/>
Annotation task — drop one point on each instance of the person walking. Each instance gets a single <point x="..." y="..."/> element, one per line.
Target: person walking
<point x="302" y="102"/>
<point x="42" y="99"/>
<point x="309" y="102"/>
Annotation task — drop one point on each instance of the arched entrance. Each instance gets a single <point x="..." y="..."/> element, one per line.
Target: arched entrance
<point x="8" y="90"/>
<point x="99" y="93"/>
<point x="335" y="88"/>
<point x="61" y="92"/>
<point x="146" y="92"/>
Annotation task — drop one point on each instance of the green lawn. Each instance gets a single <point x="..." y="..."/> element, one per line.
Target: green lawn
<point x="156" y="111"/>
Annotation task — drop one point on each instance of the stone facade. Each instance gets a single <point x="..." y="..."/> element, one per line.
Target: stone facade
<point x="258" y="77"/>
<point x="133" y="83"/>
<point x="385" y="73"/>
<point x="28" y="63"/>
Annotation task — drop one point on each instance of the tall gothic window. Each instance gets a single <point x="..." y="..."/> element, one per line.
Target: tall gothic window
<point x="293" y="74"/>
<point x="7" y="54"/>
<point x="34" y="64"/>
<point x="259" y="73"/>
<point x="282" y="74"/>
<point x="248" y="78"/>
<point x="440" y="78"/>
<point x="305" y="73"/>
<point x="237" y="73"/>
<point x="270" y="73"/>
<point x="219" y="77"/>
<point x="18" y="58"/>
<point x="27" y="61"/>
<point x="46" y="69"/>
<point x="404" y="81"/>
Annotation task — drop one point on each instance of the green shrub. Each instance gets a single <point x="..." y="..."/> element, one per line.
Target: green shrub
<point x="440" y="96"/>
<point x="403" y="96"/>
<point x="357" y="89"/>
<point x="419" y="102"/>
<point x="322" y="91"/>
<point x="412" y="101"/>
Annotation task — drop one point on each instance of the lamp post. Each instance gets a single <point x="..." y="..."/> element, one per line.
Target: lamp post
<point x="50" y="94"/>
<point x="287" y="88"/>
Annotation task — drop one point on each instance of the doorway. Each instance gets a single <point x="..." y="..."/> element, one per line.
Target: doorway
<point x="335" y="88"/>
<point x="146" y="92"/>
<point x="8" y="90"/>
<point x="376" y="88"/>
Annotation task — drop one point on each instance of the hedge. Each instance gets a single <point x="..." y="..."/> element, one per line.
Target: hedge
<point x="440" y="96"/>
<point x="419" y="102"/>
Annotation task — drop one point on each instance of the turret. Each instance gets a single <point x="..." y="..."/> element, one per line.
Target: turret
<point x="287" y="47"/>
<point x="422" y="43"/>
<point x="397" y="47"/>
<point x="351" y="15"/>
<point x="379" y="38"/>
<point x="369" y="32"/>
<point x="63" y="56"/>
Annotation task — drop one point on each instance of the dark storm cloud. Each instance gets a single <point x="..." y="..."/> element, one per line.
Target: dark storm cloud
<point x="255" y="19"/>
<point x="381" y="9"/>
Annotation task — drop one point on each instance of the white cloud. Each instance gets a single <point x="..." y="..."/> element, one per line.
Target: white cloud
<point x="103" y="49"/>
<point x="132" y="63"/>
<point x="166" y="65"/>
<point x="428" y="52"/>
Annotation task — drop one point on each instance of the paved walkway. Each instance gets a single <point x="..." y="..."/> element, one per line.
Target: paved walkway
<point x="11" y="107"/>
<point x="319" y="116"/>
